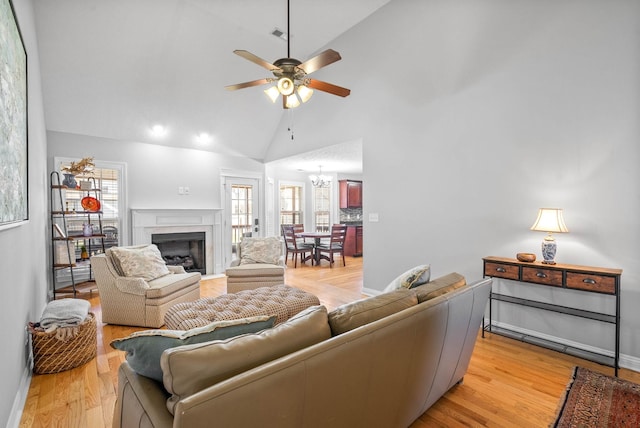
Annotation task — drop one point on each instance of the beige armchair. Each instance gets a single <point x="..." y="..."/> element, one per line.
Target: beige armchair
<point x="260" y="263"/>
<point x="130" y="300"/>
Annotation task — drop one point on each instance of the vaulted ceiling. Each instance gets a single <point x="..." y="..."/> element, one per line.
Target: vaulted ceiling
<point x="115" y="68"/>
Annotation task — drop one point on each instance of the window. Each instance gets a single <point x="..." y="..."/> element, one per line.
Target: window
<point x="322" y="208"/>
<point x="107" y="181"/>
<point x="291" y="204"/>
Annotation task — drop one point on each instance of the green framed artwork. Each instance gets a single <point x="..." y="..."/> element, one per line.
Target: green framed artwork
<point x="14" y="186"/>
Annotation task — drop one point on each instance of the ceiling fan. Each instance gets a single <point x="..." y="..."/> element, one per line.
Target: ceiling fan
<point x="291" y="75"/>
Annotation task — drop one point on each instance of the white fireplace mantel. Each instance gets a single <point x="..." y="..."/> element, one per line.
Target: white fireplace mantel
<point x="146" y="222"/>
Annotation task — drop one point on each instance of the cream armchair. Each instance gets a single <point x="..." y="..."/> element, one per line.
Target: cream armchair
<point x="260" y="263"/>
<point x="136" y="301"/>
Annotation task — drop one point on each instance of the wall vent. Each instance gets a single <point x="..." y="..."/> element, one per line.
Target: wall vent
<point x="279" y="34"/>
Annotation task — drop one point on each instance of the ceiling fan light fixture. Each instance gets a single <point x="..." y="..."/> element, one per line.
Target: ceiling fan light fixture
<point x="304" y="93"/>
<point x="272" y="93"/>
<point x="285" y="86"/>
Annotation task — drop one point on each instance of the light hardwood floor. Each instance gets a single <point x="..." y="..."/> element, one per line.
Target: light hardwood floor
<point x="508" y="384"/>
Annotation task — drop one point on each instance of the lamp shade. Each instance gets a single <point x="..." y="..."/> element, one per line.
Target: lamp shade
<point x="304" y="93"/>
<point x="291" y="101"/>
<point x="285" y="86"/>
<point x="550" y="220"/>
<point x="272" y="93"/>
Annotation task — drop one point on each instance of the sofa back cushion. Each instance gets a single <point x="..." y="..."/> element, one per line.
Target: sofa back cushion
<point x="191" y="368"/>
<point x="439" y="286"/>
<point x="361" y="312"/>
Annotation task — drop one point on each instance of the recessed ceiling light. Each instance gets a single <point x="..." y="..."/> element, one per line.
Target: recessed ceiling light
<point x="158" y="131"/>
<point x="203" y="138"/>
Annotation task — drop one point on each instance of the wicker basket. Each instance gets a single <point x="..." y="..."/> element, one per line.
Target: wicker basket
<point x="51" y="355"/>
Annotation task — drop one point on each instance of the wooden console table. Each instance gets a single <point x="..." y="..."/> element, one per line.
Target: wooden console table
<point x="572" y="277"/>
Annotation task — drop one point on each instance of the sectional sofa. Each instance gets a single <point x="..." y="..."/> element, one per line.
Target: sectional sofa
<point x="376" y="362"/>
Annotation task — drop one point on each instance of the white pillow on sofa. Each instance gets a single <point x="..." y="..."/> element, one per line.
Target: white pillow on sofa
<point x="144" y="262"/>
<point x="415" y="276"/>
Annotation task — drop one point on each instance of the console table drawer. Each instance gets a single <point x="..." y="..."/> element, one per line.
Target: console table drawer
<point x="501" y="270"/>
<point x="597" y="283"/>
<point x="542" y="276"/>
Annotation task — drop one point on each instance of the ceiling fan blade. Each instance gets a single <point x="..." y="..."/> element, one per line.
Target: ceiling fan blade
<point x="328" y="87"/>
<point x="255" y="59"/>
<point x="248" y="84"/>
<point x="317" y="62"/>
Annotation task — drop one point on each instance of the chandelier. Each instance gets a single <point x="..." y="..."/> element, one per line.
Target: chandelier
<point x="320" y="180"/>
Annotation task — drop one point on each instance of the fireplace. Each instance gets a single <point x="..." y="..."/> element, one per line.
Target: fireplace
<point x="146" y="223"/>
<point x="182" y="249"/>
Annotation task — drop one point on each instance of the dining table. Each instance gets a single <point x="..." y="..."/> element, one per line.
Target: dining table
<point x="317" y="236"/>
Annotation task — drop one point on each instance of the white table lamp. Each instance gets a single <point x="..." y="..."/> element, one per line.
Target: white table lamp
<point x="549" y="220"/>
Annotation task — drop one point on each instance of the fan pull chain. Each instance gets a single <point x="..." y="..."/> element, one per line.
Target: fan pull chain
<point x="290" y="127"/>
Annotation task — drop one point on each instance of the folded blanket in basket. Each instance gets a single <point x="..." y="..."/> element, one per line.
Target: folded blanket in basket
<point x="64" y="313"/>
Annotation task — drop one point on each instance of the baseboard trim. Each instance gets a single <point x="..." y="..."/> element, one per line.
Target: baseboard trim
<point x="21" y="398"/>
<point x="370" y="292"/>
<point x="625" y="361"/>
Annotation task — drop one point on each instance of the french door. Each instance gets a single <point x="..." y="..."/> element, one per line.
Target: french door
<point x="242" y="212"/>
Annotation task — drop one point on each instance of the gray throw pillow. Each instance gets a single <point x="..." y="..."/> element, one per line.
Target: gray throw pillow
<point x="144" y="348"/>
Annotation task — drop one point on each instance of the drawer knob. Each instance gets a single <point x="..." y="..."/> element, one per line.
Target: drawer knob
<point x="589" y="281"/>
<point x="501" y="269"/>
<point x="541" y="274"/>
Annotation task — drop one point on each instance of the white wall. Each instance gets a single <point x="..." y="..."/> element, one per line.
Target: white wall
<point x="23" y="255"/>
<point x="154" y="172"/>
<point x="473" y="115"/>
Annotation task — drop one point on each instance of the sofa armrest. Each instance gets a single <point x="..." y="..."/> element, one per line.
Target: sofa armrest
<point x="176" y="269"/>
<point x="141" y="401"/>
<point x="132" y="285"/>
<point x="235" y="263"/>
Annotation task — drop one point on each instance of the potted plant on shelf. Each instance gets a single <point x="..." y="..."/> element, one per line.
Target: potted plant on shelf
<point x="83" y="166"/>
<point x="84" y="255"/>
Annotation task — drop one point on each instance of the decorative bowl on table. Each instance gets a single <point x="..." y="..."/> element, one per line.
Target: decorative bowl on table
<point x="526" y="257"/>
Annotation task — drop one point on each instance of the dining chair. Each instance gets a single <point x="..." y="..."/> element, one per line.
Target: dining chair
<point x="297" y="228"/>
<point x="335" y="246"/>
<point x="293" y="246"/>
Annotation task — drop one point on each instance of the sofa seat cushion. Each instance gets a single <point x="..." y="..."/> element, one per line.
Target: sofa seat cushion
<point x="439" y="286"/>
<point x="255" y="270"/>
<point x="361" y="312"/>
<point x="144" y="348"/>
<point x="169" y="284"/>
<point x="279" y="300"/>
<point x="191" y="368"/>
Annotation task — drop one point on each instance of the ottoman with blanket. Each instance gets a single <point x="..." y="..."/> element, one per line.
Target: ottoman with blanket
<point x="282" y="301"/>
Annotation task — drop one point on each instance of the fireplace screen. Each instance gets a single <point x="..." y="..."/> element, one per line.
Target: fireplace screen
<point x="182" y="249"/>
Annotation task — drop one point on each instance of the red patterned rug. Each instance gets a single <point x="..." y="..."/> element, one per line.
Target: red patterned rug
<point x="595" y="400"/>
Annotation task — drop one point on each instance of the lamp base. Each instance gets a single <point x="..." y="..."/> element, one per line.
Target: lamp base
<point x="549" y="248"/>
